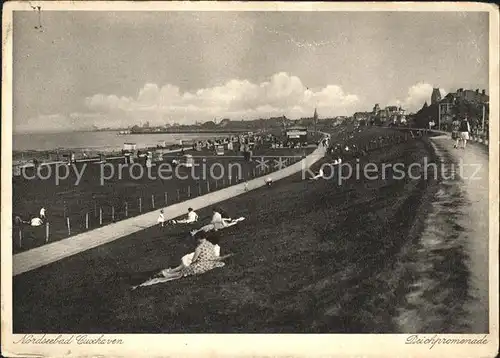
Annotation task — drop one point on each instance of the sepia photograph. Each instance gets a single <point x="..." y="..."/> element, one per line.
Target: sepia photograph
<point x="321" y="170"/>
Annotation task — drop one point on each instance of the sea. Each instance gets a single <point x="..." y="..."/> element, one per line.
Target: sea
<point x="99" y="141"/>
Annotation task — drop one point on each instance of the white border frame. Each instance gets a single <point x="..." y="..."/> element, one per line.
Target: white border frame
<point x="197" y="345"/>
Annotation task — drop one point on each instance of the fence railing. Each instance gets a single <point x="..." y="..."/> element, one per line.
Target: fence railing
<point x="475" y="136"/>
<point x="68" y="218"/>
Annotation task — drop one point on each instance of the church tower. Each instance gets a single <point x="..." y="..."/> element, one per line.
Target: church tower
<point x="436" y="96"/>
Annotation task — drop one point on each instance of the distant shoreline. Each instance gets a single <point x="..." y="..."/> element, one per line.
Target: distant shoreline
<point x="191" y="131"/>
<point x="198" y="130"/>
<point x="107" y="143"/>
<point x="170" y="131"/>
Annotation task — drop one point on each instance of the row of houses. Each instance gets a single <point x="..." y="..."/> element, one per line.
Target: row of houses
<point x="282" y="122"/>
<point x="461" y="94"/>
<point x="473" y="104"/>
<point x="380" y="116"/>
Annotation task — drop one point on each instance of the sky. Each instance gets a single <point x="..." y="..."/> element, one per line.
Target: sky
<point x="116" y="69"/>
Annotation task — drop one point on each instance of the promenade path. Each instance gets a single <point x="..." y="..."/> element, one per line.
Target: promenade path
<point x="44" y="255"/>
<point x="471" y="167"/>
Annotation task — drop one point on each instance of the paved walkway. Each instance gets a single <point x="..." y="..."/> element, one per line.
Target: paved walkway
<point x="44" y="255"/>
<point x="480" y="245"/>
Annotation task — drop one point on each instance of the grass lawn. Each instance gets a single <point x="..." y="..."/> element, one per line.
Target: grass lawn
<point x="118" y="197"/>
<point x="310" y="257"/>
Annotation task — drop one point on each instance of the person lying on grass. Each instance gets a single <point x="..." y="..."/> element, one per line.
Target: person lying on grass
<point x="218" y="222"/>
<point x="205" y="257"/>
<point x="225" y="216"/>
<point x="320" y="174"/>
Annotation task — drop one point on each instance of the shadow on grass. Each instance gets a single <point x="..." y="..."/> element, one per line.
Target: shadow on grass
<point x="134" y="278"/>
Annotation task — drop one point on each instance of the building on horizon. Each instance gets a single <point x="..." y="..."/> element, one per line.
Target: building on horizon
<point x="381" y="116"/>
<point x="435" y="96"/>
<point x="471" y="96"/>
<point x="471" y="103"/>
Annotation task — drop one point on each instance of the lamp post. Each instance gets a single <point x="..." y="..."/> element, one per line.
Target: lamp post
<point x="484" y="115"/>
<point x="439" y="116"/>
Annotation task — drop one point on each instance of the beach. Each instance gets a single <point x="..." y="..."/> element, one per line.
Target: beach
<point x="94" y="194"/>
<point x="50" y="146"/>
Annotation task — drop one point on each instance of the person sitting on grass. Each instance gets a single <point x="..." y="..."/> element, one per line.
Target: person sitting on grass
<point x="217" y="223"/>
<point x="36" y="222"/>
<point x="192" y="216"/>
<point x="337" y="161"/>
<point x="187" y="259"/>
<point x="204" y="258"/>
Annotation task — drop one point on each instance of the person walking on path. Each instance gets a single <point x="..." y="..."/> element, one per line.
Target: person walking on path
<point x="42" y="213"/>
<point x="455" y="126"/>
<point x="464" y="132"/>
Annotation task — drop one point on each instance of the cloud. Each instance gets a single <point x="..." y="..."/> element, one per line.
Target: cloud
<point x="417" y="95"/>
<point x="282" y="94"/>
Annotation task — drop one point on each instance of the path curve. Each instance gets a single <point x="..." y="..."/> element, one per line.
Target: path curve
<point x="450" y="271"/>
<point x="472" y="166"/>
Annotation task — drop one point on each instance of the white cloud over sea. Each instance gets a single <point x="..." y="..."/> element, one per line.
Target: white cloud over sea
<point x="282" y="94"/>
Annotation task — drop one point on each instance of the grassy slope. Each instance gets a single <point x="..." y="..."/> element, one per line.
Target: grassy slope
<point x="30" y="195"/>
<point x="311" y="257"/>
